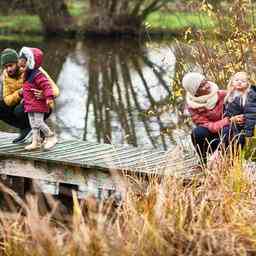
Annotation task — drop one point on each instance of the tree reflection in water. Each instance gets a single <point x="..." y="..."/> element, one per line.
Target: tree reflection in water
<point x="111" y="91"/>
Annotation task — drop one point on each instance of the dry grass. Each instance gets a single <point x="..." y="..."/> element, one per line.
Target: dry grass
<point x="211" y="215"/>
<point x="214" y="214"/>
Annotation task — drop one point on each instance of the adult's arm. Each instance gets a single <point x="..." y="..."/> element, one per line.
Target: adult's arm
<point x="56" y="91"/>
<point x="213" y="127"/>
<point x="44" y="84"/>
<point x="11" y="90"/>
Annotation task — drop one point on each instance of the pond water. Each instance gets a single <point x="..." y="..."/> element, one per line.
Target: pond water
<point x="112" y="90"/>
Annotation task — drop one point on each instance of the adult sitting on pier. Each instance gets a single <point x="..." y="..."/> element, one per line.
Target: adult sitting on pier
<point x="205" y="103"/>
<point x="11" y="106"/>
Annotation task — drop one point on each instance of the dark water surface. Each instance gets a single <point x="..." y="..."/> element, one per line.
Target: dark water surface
<point x="111" y="90"/>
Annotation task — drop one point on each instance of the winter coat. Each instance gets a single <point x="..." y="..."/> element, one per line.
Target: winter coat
<point x="35" y="79"/>
<point x="212" y="119"/>
<point x="248" y="110"/>
<point x="11" y="87"/>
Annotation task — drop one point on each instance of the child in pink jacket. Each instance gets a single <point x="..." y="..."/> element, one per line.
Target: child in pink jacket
<point x="31" y="60"/>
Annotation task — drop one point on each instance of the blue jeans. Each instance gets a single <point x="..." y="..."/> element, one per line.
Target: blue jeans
<point x="205" y="141"/>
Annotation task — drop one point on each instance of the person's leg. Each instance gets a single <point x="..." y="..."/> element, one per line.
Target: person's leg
<point x="46" y="115"/>
<point x="43" y="127"/>
<point x="21" y="116"/>
<point x="50" y="138"/>
<point x="23" y="124"/>
<point x="7" y="114"/>
<point x="204" y="141"/>
<point x="36" y="143"/>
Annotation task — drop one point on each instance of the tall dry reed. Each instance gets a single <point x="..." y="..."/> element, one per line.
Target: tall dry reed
<point x="213" y="214"/>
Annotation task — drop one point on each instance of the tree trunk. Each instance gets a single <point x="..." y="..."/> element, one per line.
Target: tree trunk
<point x="54" y="15"/>
<point x="120" y="16"/>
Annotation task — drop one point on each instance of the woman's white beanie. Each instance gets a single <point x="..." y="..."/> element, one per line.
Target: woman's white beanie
<point x="191" y="82"/>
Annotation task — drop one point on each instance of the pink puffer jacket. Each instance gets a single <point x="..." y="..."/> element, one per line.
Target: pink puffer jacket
<point x="35" y="79"/>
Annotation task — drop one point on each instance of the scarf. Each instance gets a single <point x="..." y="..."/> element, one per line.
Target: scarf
<point x="208" y="101"/>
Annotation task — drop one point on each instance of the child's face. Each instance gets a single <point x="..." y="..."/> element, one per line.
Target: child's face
<point x="240" y="82"/>
<point x="22" y="63"/>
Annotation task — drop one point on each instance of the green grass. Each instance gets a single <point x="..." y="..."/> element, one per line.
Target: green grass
<point x="21" y="38"/>
<point x="179" y="20"/>
<point x="20" y="24"/>
<point x="76" y="9"/>
<point x="31" y="24"/>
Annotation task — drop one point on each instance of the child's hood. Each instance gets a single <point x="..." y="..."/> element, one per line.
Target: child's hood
<point x="34" y="56"/>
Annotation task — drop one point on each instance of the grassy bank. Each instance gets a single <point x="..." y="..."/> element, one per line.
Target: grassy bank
<point x="22" y="24"/>
<point x="179" y="21"/>
<point x="158" y="21"/>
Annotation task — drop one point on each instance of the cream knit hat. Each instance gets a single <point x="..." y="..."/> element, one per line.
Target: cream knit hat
<point x="191" y="82"/>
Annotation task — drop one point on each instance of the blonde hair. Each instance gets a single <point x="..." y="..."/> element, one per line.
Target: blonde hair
<point x="230" y="94"/>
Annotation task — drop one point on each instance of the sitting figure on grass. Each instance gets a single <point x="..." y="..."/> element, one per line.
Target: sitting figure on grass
<point x="241" y="99"/>
<point x="205" y="103"/>
<point x="30" y="60"/>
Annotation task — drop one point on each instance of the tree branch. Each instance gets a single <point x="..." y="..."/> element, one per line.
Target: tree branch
<point x="137" y="7"/>
<point x="113" y="7"/>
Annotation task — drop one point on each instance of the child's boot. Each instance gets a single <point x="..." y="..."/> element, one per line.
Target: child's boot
<point x="50" y="141"/>
<point x="36" y="142"/>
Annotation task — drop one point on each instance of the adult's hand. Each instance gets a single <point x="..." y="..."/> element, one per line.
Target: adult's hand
<point x="38" y="93"/>
<point x="238" y="119"/>
<point x="20" y="92"/>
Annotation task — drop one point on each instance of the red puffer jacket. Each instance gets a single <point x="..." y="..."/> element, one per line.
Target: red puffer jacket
<point x="35" y="79"/>
<point x="212" y="119"/>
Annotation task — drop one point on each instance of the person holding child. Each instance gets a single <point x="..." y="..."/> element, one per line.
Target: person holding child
<point x="11" y="103"/>
<point x="205" y="103"/>
<point x="30" y="59"/>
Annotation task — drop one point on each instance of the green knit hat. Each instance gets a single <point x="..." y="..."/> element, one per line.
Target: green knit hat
<point x="9" y="56"/>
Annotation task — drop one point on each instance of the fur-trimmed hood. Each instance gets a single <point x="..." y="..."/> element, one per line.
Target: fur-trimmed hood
<point x="34" y="56"/>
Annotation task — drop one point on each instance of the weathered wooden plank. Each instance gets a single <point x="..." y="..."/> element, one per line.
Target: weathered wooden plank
<point x="92" y="155"/>
<point x="138" y="158"/>
<point x="101" y="154"/>
<point x="87" y="165"/>
<point x="8" y="135"/>
<point x="63" y="174"/>
<point x="58" y="147"/>
<point x="91" y="162"/>
<point x="7" y="144"/>
<point x="81" y="148"/>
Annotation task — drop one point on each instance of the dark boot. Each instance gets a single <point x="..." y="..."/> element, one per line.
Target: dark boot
<point x="24" y="135"/>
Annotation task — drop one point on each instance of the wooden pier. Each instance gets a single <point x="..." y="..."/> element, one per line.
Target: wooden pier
<point x="89" y="166"/>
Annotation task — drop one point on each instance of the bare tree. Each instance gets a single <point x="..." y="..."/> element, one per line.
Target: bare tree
<point x="54" y="15"/>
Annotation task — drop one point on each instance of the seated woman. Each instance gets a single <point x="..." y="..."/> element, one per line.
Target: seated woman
<point x="205" y="104"/>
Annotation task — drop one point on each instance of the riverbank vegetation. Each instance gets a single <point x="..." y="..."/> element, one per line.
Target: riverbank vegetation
<point x="79" y="17"/>
<point x="213" y="214"/>
<point x="174" y="23"/>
